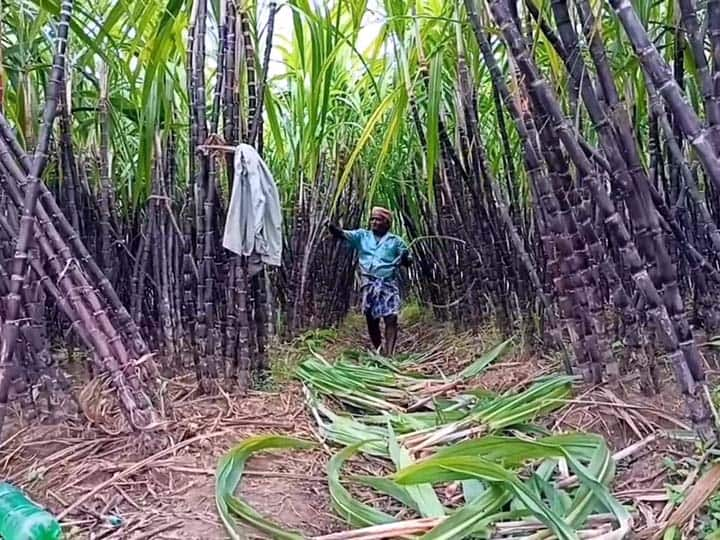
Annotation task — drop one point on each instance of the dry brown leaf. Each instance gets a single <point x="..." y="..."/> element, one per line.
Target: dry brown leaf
<point x="696" y="498"/>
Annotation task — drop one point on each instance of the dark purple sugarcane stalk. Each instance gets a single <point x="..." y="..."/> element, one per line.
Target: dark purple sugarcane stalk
<point x="240" y="306"/>
<point x="479" y="160"/>
<point x="260" y="312"/>
<point x="140" y="267"/>
<point x="190" y="210"/>
<point x="209" y="265"/>
<point x="563" y="184"/>
<point x="67" y="268"/>
<point x="135" y="403"/>
<point x="649" y="235"/>
<point x="660" y="74"/>
<point x="199" y="125"/>
<point x="656" y="309"/>
<point x="31" y="340"/>
<point x="105" y="187"/>
<point x="621" y="120"/>
<point x="249" y="55"/>
<point x="508" y="157"/>
<point x="555" y="212"/>
<point x="52" y="217"/>
<point x="176" y="239"/>
<point x="230" y="91"/>
<point x="231" y="323"/>
<point x="257" y="117"/>
<point x="12" y="231"/>
<point x="189" y="287"/>
<point x="708" y="224"/>
<point x="689" y="20"/>
<point x="48" y="224"/>
<point x="492" y="272"/>
<point x="200" y="178"/>
<point x="69" y="166"/>
<point x="650" y="239"/>
<point x="219" y="77"/>
<point x="160" y="200"/>
<point x="83" y="320"/>
<point x="49" y="376"/>
<point x="450" y="171"/>
<point x="19" y="264"/>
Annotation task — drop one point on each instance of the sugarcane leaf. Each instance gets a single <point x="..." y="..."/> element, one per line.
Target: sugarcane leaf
<point x="446" y="469"/>
<point x="472" y="489"/>
<point x="387" y="487"/>
<point x="391" y="135"/>
<point x="472" y="517"/>
<point x="364" y="138"/>
<point x="479" y="365"/>
<point x="228" y="475"/>
<point x="355" y="512"/>
<point x="433" y="118"/>
<point x="423" y="494"/>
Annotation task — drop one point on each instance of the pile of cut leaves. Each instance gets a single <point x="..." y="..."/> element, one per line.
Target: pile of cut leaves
<point x="461" y="462"/>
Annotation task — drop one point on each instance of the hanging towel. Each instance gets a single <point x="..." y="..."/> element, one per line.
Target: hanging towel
<point x="253" y="227"/>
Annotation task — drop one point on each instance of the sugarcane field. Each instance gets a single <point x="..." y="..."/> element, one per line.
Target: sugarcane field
<point x="359" y="269"/>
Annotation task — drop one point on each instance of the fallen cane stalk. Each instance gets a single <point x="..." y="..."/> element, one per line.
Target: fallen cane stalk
<point x="435" y="393"/>
<point x="530" y="525"/>
<point x="390" y="530"/>
<point x="503" y="530"/>
<point x="435" y="437"/>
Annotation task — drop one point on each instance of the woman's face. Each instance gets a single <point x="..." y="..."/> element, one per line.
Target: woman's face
<point x="379" y="224"/>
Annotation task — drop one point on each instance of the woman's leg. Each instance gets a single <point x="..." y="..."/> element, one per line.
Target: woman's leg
<point x="374" y="331"/>
<point x="391" y="331"/>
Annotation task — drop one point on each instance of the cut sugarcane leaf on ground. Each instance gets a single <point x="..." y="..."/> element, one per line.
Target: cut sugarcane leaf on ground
<point x="347" y="507"/>
<point x="425" y="498"/>
<point x="464" y="463"/>
<point x="485" y="360"/>
<point x="227" y="478"/>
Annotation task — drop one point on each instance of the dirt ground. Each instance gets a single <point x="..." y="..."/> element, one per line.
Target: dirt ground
<point x="171" y="494"/>
<point x="160" y="485"/>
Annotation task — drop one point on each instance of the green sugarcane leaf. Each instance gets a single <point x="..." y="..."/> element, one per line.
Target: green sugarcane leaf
<point x="472" y="489"/>
<point x="479" y="365"/>
<point x="387" y="487"/>
<point x="433" y="119"/>
<point x="354" y="512"/>
<point x="447" y="469"/>
<point x="473" y="517"/>
<point x="424" y="496"/>
<point x="228" y="475"/>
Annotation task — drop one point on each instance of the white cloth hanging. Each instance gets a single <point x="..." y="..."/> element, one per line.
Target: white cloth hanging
<point x="253" y="227"/>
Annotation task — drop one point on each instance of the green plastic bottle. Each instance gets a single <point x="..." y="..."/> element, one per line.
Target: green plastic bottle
<point x="22" y="519"/>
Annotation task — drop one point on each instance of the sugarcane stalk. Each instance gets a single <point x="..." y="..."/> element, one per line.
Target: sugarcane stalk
<point x="52" y="217"/>
<point x="686" y="379"/>
<point x="250" y="68"/>
<point x="650" y="238"/>
<point x="660" y="74"/>
<point x="105" y="187"/>
<point x="255" y="127"/>
<point x="689" y="20"/>
<point x="19" y="264"/>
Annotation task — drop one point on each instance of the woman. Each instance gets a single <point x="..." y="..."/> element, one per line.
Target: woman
<point x="380" y="253"/>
